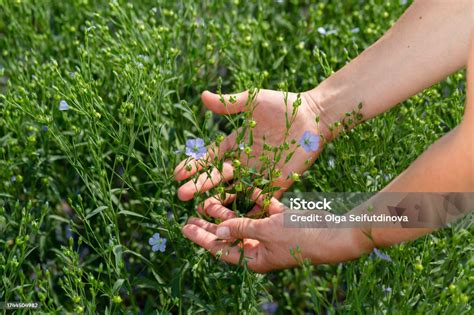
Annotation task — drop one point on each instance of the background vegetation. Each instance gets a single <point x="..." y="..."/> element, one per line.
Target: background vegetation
<point x="82" y="190"/>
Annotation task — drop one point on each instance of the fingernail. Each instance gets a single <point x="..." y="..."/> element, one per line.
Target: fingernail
<point x="223" y="232"/>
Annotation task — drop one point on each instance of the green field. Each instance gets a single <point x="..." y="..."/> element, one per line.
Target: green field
<point x="82" y="190"/>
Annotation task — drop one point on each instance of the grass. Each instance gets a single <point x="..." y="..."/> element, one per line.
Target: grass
<point x="82" y="191"/>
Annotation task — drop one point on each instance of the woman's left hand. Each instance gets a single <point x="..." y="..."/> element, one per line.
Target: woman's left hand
<point x="267" y="244"/>
<point x="269" y="114"/>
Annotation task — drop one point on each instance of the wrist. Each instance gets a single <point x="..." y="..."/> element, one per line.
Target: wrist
<point x="331" y="101"/>
<point x="363" y="242"/>
<point x="345" y="244"/>
<point x="356" y="242"/>
<point x="319" y="113"/>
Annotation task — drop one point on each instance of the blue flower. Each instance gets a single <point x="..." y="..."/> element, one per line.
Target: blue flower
<point x="355" y="30"/>
<point x="13" y="178"/>
<point x="309" y="141"/>
<point x="144" y="58"/>
<point x="241" y="146"/>
<point x="269" y="308"/>
<point x="139" y="64"/>
<point x="381" y="255"/>
<point x="157" y="243"/>
<point x="63" y="105"/>
<point x="195" y="148"/>
<point x="68" y="232"/>
<point x="387" y="290"/>
<point x="321" y="30"/>
<point x="331" y="162"/>
<point x="44" y="128"/>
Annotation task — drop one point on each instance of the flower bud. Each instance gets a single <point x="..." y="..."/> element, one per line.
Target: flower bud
<point x="266" y="202"/>
<point x="239" y="187"/>
<point x="236" y="163"/>
<point x="295" y="177"/>
<point x="276" y="173"/>
<point x="117" y="299"/>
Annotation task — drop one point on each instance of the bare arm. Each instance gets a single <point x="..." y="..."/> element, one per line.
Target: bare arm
<point x="428" y="42"/>
<point x="447" y="166"/>
<point x="413" y="55"/>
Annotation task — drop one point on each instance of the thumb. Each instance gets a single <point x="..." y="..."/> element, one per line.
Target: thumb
<point x="230" y="104"/>
<point x="238" y="228"/>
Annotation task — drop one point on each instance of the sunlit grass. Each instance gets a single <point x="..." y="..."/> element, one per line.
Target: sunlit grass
<point x="83" y="190"/>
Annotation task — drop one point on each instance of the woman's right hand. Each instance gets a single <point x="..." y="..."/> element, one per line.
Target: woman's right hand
<point x="269" y="245"/>
<point x="269" y="116"/>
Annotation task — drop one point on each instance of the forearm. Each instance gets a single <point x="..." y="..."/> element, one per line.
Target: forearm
<point x="427" y="43"/>
<point x="447" y="166"/>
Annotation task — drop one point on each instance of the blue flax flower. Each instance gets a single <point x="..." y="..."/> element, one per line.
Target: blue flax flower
<point x="157" y="243"/>
<point x="381" y="255"/>
<point x="322" y="30"/>
<point x="195" y="148"/>
<point x="63" y="105"/>
<point x="309" y="141"/>
<point x="269" y="308"/>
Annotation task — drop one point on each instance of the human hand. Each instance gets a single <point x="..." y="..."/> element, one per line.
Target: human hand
<point x="269" y="114"/>
<point x="266" y="244"/>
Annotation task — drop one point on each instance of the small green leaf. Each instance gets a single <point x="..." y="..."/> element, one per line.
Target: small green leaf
<point x="130" y="213"/>
<point x="117" y="285"/>
<point x="95" y="212"/>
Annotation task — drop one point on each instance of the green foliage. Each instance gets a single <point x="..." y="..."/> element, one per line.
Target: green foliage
<point x="82" y="191"/>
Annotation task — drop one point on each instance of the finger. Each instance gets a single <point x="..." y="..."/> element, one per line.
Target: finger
<point x="215" y="208"/>
<point x="190" y="166"/>
<point x="239" y="228"/>
<point x="228" y="198"/>
<point x="233" y="103"/>
<point x="206" y="181"/>
<point x="277" y="194"/>
<point x="283" y="184"/>
<point x="256" y="212"/>
<point x="208" y="226"/>
<point x="227" y="144"/>
<point x="273" y="206"/>
<point x="210" y="242"/>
